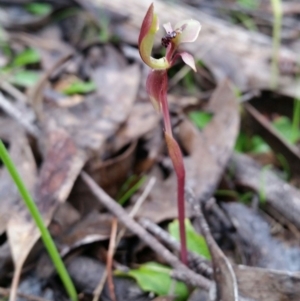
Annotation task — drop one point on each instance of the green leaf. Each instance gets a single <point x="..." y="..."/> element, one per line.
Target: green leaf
<point x="25" y="78"/>
<point x="80" y="87"/>
<point x="258" y="145"/>
<point x="246" y="197"/>
<point x="189" y="82"/>
<point x="28" y="56"/>
<point x="248" y="4"/>
<point x="241" y="143"/>
<point x="254" y="144"/>
<point x="40" y="9"/>
<point x="284" y="126"/>
<point x="154" y="277"/>
<point x="195" y="242"/>
<point x="200" y="119"/>
<point x="131" y="185"/>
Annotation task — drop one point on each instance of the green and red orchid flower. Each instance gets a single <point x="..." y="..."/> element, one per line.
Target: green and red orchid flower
<point x="157" y="84"/>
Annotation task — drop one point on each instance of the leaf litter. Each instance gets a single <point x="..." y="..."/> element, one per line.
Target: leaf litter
<point x="84" y="108"/>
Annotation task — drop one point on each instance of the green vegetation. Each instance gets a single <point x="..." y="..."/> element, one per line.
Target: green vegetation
<point x="200" y="118"/>
<point x="46" y="237"/>
<point x="26" y="57"/>
<point x="80" y="87"/>
<point x="195" y="242"/>
<point x="130" y="187"/>
<point x="39" y="9"/>
<point x="154" y="277"/>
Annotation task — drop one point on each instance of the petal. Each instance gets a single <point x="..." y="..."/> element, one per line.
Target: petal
<point x="168" y="28"/>
<point x="156" y="86"/>
<point x="187" y="58"/>
<point x="190" y="31"/>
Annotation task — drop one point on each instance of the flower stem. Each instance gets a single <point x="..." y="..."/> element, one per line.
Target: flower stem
<point x="166" y="115"/>
<point x="177" y="160"/>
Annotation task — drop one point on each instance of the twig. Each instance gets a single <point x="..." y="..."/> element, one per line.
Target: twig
<point x="196" y="262"/>
<point x="13" y="112"/>
<point x="13" y="91"/>
<point x="135" y="209"/>
<point x="15" y="281"/>
<point x="123" y="217"/>
<point x="5" y="292"/>
<point x="224" y="276"/>
<point x="109" y="261"/>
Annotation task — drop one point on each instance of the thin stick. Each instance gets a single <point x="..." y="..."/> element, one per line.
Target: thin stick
<point x="109" y="260"/>
<point x="224" y="275"/>
<point x="6" y="292"/>
<point x="15" y="282"/>
<point x="14" y="92"/>
<point x="13" y="112"/>
<point x="137" y="229"/>
<point x="135" y="209"/>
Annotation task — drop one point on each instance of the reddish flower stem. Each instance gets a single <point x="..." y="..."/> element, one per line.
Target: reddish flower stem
<point x="177" y="160"/>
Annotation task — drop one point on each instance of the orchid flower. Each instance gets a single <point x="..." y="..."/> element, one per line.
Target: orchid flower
<point x="157" y="84"/>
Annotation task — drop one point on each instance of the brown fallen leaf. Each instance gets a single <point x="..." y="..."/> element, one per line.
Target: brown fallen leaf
<point x="63" y="162"/>
<point x="161" y="204"/>
<point x="268" y="285"/>
<point x="22" y="156"/>
<point x="70" y="137"/>
<point x="93" y="227"/>
<point x="99" y="116"/>
<point x="141" y="121"/>
<point x="211" y="149"/>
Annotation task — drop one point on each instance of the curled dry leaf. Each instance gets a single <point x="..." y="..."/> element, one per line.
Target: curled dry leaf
<point x="93" y="227"/>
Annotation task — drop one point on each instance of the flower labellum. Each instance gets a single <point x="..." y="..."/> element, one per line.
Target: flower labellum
<point x="184" y="32"/>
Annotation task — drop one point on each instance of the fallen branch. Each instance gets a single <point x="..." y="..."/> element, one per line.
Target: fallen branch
<point x="191" y="277"/>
